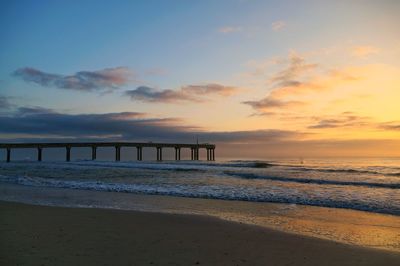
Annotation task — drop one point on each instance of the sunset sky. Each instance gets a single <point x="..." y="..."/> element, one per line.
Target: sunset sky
<point x="259" y="78"/>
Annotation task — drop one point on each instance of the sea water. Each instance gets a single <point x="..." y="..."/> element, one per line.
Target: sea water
<point x="371" y="185"/>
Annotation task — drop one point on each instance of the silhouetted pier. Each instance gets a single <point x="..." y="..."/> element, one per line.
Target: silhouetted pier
<point x="210" y="148"/>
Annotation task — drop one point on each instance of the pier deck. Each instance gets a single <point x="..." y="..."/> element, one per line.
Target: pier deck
<point x="210" y="148"/>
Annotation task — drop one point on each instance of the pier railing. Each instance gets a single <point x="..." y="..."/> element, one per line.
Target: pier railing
<point x="210" y="148"/>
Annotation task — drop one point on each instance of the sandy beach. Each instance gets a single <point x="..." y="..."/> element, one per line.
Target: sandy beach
<point x="41" y="235"/>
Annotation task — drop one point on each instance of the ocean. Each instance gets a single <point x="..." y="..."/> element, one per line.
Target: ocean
<point x="371" y="185"/>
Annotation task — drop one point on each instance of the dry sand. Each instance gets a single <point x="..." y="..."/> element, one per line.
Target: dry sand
<point x="39" y="235"/>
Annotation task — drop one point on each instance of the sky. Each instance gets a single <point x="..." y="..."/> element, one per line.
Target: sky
<point x="258" y="78"/>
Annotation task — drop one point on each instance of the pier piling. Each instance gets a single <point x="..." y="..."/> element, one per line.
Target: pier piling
<point x="117" y="153"/>
<point x="159" y="154"/>
<point x="177" y="154"/>
<point x="39" y="154"/>
<point x="8" y="155"/>
<point x="68" y="154"/>
<point x="194" y="149"/>
<point x="139" y="153"/>
<point x="94" y="153"/>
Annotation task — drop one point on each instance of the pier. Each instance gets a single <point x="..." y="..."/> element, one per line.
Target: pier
<point x="194" y="148"/>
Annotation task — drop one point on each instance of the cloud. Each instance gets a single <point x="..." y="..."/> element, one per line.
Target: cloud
<point x="363" y="51"/>
<point x="345" y="120"/>
<point x="394" y="126"/>
<point x="284" y="83"/>
<point x="278" y="25"/>
<point x="253" y="136"/>
<point x="106" y="79"/>
<point x="38" y="122"/>
<point x="270" y="103"/>
<point x="351" y="120"/>
<point x="148" y="94"/>
<point x="297" y="66"/>
<point x="35" y="110"/>
<point x="301" y="86"/>
<point x="5" y="103"/>
<point x="191" y="93"/>
<point x="229" y="29"/>
<point x="43" y="122"/>
<point x="209" y="89"/>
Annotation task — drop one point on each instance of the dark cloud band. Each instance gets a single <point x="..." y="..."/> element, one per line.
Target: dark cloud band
<point x="42" y="123"/>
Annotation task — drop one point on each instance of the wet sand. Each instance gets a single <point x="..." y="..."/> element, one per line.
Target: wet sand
<point x="40" y="235"/>
<point x="365" y="229"/>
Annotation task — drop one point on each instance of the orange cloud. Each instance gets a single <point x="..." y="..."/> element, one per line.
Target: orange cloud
<point x="348" y="102"/>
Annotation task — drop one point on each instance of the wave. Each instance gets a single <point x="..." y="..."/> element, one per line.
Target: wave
<point x="197" y="166"/>
<point x="179" y="167"/>
<point x="344" y="170"/>
<point x="251" y="164"/>
<point x="338" y="170"/>
<point x="211" y="192"/>
<point x="314" y="181"/>
<point x="263" y="164"/>
<point x="201" y="166"/>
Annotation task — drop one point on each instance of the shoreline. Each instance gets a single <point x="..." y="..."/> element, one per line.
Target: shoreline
<point x="46" y="235"/>
<point x="372" y="230"/>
